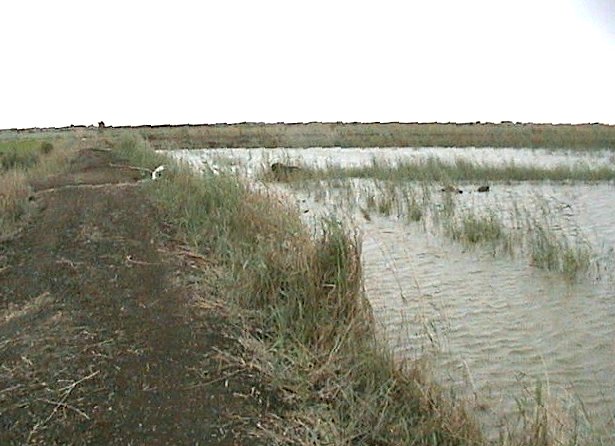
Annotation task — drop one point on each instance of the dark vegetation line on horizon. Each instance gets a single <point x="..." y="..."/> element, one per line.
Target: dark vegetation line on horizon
<point x="299" y="135"/>
<point x="300" y="123"/>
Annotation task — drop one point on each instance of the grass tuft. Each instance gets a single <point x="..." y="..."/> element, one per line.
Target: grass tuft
<point x="473" y="229"/>
<point x="21" y="161"/>
<point x="14" y="204"/>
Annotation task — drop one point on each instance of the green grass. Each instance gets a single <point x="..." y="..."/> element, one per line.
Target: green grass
<point x="578" y="137"/>
<point x="22" y="153"/>
<point x="471" y="229"/>
<point x="21" y="160"/>
<point x="571" y="258"/>
<point x="413" y="207"/>
<point x="433" y="169"/>
<point x="510" y="230"/>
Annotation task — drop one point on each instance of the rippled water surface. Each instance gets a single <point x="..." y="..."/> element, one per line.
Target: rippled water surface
<point x="493" y="325"/>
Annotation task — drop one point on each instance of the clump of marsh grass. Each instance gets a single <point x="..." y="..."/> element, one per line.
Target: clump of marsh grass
<point x="46" y="147"/>
<point x="22" y="153"/>
<point x="414" y="211"/>
<point x="386" y="199"/>
<point x="14" y="158"/>
<point x="557" y="253"/>
<point x="544" y="420"/>
<point x="130" y="147"/>
<point x="471" y="229"/>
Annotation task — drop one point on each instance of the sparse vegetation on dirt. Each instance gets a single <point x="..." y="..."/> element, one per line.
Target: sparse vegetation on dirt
<point x="111" y="332"/>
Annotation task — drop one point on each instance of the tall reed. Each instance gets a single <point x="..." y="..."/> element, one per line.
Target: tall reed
<point x="434" y="169"/>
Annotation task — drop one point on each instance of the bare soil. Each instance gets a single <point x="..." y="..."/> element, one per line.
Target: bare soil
<point x="111" y="332"/>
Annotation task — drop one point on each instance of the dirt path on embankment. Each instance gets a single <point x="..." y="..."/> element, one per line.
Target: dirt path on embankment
<point x="108" y="334"/>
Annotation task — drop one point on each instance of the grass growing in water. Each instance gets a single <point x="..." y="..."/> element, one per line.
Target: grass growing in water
<point x="433" y="169"/>
<point x="472" y="229"/>
<point x="510" y="229"/>
<point x="559" y="254"/>
<point x="414" y="210"/>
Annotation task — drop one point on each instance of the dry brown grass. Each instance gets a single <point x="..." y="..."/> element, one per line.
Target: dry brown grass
<point x="16" y="191"/>
<point x="584" y="136"/>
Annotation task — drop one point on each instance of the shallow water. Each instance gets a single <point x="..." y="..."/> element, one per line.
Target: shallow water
<point x="493" y="325"/>
<point x="358" y="156"/>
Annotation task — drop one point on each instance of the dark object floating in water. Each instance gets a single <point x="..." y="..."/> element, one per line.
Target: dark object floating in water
<point x="483" y="189"/>
<point x="452" y="189"/>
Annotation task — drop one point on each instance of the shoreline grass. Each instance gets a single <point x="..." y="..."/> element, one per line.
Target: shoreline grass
<point x="316" y="346"/>
<point x="316" y="343"/>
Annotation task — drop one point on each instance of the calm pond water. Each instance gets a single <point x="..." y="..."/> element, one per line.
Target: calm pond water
<point x="493" y="326"/>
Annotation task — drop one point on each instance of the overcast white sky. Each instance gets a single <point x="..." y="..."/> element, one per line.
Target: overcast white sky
<point x="129" y="63"/>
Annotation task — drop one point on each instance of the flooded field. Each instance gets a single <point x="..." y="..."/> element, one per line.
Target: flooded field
<point x="250" y="160"/>
<point x="502" y="292"/>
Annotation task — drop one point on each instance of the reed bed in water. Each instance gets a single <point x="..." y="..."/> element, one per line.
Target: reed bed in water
<point x="458" y="170"/>
<point x="511" y="229"/>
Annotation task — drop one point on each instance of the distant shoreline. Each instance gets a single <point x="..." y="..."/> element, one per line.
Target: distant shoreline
<point x="591" y="136"/>
<point x="295" y="124"/>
